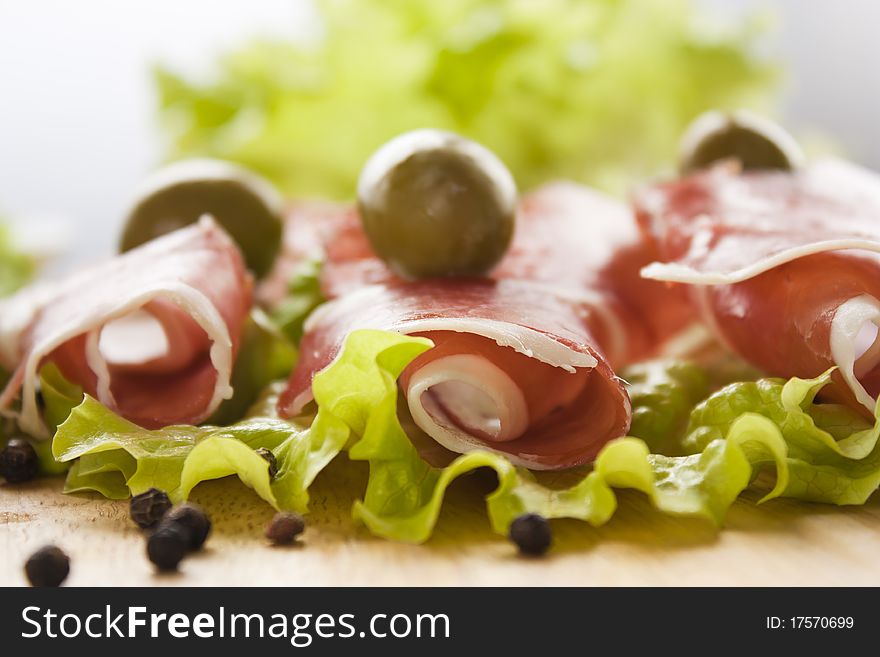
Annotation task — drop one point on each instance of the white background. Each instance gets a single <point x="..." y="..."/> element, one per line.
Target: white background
<point x="77" y="126"/>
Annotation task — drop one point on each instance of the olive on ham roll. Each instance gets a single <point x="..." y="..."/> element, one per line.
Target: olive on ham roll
<point x="524" y="358"/>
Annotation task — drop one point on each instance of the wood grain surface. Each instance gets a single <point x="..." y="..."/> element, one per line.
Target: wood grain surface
<point x="779" y="543"/>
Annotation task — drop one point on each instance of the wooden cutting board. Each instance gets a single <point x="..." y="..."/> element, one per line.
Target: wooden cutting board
<point x="779" y="543"/>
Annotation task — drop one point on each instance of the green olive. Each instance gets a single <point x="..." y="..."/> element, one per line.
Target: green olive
<point x="436" y="204"/>
<point x="245" y="204"/>
<point x="755" y="142"/>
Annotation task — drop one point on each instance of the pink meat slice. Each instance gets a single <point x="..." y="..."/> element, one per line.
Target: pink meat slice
<point x="783" y="266"/>
<point x="174" y="307"/>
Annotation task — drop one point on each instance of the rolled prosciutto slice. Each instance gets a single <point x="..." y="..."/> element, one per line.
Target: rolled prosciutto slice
<point x="152" y="333"/>
<point x="783" y="266"/>
<point x="522" y="362"/>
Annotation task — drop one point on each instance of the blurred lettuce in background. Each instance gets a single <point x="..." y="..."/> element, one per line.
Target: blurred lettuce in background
<point x="593" y="90"/>
<point x="16" y="266"/>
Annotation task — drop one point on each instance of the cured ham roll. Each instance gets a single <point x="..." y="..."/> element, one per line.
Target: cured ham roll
<point x="152" y="333"/>
<point x="523" y="361"/>
<point x="785" y="267"/>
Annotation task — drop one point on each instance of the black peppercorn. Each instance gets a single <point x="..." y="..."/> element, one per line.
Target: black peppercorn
<point x="48" y="566"/>
<point x="273" y="463"/>
<point x="167" y="546"/>
<point x="531" y="534"/>
<point x="18" y="461"/>
<point x="284" y="528"/>
<point x="148" y="508"/>
<point x="193" y="521"/>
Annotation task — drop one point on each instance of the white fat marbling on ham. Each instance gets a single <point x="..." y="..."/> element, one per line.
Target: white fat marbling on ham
<point x="465" y="402"/>
<point x="677" y="273"/>
<point x="854" y="344"/>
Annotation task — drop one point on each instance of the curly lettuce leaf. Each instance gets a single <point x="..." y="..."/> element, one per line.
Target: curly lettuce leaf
<point x="702" y="485"/>
<point x="833" y="453"/>
<point x="59" y="395"/>
<point x="663" y="393"/>
<point x="595" y="91"/>
<point x="117" y="458"/>
<point x="405" y="494"/>
<point x="105" y="472"/>
<point x="813" y="451"/>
